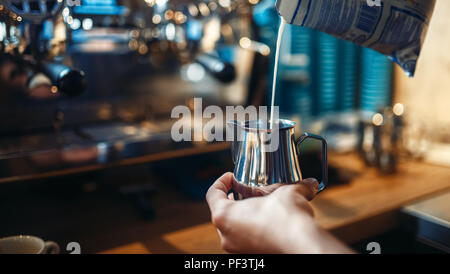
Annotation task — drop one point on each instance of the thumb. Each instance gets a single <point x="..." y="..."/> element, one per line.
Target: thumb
<point x="308" y="188"/>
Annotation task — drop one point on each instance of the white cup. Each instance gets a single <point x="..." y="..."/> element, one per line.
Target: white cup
<point x="24" y="244"/>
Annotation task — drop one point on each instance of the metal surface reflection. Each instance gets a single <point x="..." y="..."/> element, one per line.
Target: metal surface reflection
<point x="257" y="167"/>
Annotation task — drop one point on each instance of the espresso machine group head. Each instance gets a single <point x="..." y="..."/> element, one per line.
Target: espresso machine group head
<point x="140" y="57"/>
<point x="34" y="40"/>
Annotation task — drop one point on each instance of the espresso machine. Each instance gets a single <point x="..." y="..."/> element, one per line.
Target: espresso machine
<point x="88" y="85"/>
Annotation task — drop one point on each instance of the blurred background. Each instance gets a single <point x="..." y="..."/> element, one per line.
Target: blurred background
<point x="86" y="94"/>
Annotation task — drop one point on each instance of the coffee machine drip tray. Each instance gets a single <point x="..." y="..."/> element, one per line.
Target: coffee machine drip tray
<point x="86" y="148"/>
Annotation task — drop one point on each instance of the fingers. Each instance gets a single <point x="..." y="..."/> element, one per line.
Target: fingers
<point x="266" y="190"/>
<point x="217" y="193"/>
<point x="308" y="188"/>
<point x="312" y="187"/>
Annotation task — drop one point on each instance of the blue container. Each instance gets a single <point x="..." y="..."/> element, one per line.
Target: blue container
<point x="295" y="90"/>
<point x="376" y="80"/>
<point x="348" y="75"/>
<point x="327" y="73"/>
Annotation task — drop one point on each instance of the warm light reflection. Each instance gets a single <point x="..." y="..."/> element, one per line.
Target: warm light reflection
<point x="99" y="46"/>
<point x="143" y="49"/>
<point x="193" y="11"/>
<point x="227" y="30"/>
<point x="133" y="44"/>
<point x="168" y="14"/>
<point x="264" y="50"/>
<point x="204" y="10"/>
<point x="377" y="119"/>
<point x="211" y="34"/>
<point x="212" y="6"/>
<point x="156" y="19"/>
<point x="245" y="42"/>
<point x="134" y="34"/>
<point x="150" y="3"/>
<point x="399" y="109"/>
<point x="180" y="18"/>
<point x="130" y="130"/>
<point x="225" y="3"/>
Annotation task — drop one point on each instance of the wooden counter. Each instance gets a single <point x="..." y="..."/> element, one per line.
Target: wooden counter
<point x="370" y="204"/>
<point x="367" y="206"/>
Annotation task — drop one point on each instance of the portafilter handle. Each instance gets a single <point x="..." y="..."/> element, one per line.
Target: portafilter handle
<point x="222" y="71"/>
<point x="70" y="82"/>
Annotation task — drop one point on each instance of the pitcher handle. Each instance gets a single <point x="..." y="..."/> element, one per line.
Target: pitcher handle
<point x="307" y="135"/>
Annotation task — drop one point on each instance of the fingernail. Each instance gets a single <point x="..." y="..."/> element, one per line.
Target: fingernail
<point x="312" y="183"/>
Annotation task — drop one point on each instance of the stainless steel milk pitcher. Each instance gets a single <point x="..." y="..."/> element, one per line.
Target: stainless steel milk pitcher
<point x="256" y="167"/>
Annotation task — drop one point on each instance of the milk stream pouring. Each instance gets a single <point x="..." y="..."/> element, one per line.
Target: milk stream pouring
<point x="275" y="70"/>
<point x="396" y="28"/>
<point x="257" y="167"/>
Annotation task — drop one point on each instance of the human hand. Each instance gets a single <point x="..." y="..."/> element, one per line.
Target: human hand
<point x="282" y="221"/>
